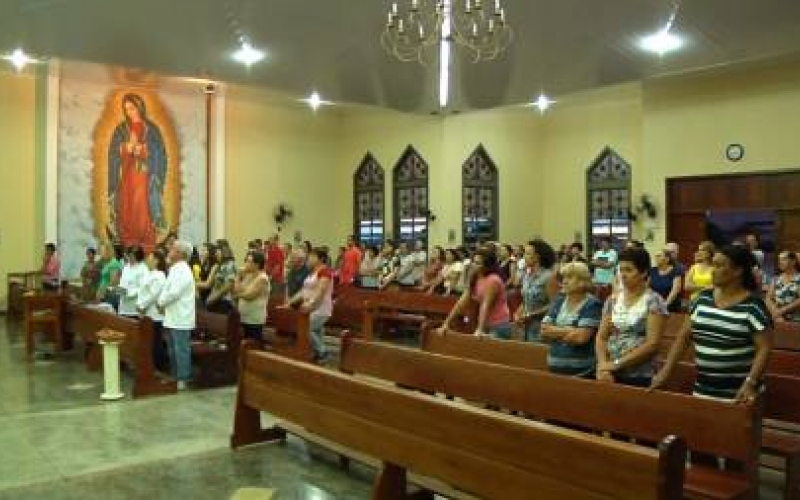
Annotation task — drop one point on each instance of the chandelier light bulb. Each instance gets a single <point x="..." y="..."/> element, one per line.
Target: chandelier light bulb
<point x="543" y="103"/>
<point x="19" y="59"/>
<point x="248" y="55"/>
<point x="661" y="42"/>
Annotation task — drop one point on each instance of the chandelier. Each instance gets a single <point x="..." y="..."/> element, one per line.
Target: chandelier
<point x="415" y="26"/>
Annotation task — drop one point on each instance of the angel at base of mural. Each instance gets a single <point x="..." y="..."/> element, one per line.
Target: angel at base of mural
<point x="137" y="167"/>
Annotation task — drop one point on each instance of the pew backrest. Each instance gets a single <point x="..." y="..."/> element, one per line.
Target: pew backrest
<point x="725" y="430"/>
<point x="485" y="453"/>
<point x="528" y="355"/>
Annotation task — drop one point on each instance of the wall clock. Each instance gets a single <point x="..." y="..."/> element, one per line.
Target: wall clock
<point x="734" y="152"/>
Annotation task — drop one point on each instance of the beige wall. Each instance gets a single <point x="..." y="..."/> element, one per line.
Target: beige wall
<point x="574" y="132"/>
<point x="19" y="250"/>
<point x="280" y="151"/>
<point x="689" y="121"/>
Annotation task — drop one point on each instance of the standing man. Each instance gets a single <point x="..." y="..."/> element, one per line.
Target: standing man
<point x="177" y="303"/>
<point x="604" y="261"/>
<point x="351" y="260"/>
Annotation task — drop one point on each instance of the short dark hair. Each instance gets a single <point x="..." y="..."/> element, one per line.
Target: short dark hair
<point x="50" y="247"/>
<point x="547" y="257"/>
<point x="321" y="253"/>
<point x="91" y="250"/>
<point x="161" y="260"/>
<point x="258" y="258"/>
<point x="138" y="253"/>
<point x="742" y="258"/>
<point x="639" y="257"/>
<point x="578" y="245"/>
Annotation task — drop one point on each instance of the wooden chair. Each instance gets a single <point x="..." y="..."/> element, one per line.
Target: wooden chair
<point x="42" y="313"/>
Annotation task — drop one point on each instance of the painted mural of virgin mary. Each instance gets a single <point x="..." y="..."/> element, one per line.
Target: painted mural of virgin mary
<point x="137" y="169"/>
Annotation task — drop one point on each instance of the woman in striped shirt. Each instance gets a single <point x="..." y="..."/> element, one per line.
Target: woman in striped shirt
<point x="729" y="326"/>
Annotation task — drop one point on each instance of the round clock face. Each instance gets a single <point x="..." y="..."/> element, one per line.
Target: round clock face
<point x="734" y="152"/>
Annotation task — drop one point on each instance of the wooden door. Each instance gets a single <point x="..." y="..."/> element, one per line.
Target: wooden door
<point x="687" y="230"/>
<point x="788" y="230"/>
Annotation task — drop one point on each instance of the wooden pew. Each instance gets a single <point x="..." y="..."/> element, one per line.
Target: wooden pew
<point x="713" y="427"/>
<point x="215" y="348"/>
<point x="527" y="355"/>
<point x="787" y="335"/>
<point x="136" y="350"/>
<point x="413" y="432"/>
<point x="781" y="405"/>
<point x="17" y="285"/>
<point x="348" y="307"/>
<point x="289" y="334"/>
<point x="419" y="309"/>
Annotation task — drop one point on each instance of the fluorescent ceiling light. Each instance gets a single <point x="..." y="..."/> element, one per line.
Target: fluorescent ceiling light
<point x="19" y="59"/>
<point x="542" y="102"/>
<point x="248" y="55"/>
<point x="661" y="42"/>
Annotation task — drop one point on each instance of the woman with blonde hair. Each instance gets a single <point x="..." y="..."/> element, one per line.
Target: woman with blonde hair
<point x="571" y="323"/>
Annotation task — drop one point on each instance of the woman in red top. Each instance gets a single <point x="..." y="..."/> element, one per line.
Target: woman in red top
<point x="487" y="288"/>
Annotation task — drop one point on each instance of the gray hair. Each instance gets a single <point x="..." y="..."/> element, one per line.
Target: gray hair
<point x="184" y="248"/>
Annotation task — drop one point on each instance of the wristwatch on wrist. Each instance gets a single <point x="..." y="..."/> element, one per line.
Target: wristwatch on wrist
<point x="616" y="364"/>
<point x="751" y="381"/>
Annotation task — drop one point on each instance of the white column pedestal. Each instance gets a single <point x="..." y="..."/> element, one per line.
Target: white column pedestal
<point x="111" y="371"/>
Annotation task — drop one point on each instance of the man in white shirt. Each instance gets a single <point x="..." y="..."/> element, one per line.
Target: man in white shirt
<point x="604" y="261"/>
<point x="133" y="277"/>
<point x="177" y="301"/>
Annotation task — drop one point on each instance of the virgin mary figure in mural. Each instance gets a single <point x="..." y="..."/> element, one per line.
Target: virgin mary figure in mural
<point x="137" y="168"/>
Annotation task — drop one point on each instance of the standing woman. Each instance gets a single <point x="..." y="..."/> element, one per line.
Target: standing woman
<point x="730" y="328"/>
<point x="209" y="265"/>
<point x="487" y="288"/>
<point x="316" y="298"/>
<point x="783" y="298"/>
<point x="571" y="324"/>
<point x="133" y="275"/>
<point x="633" y="319"/>
<point x="539" y="287"/>
<point x="252" y="289"/>
<point x="146" y="304"/>
<point x="219" y="299"/>
<point x="508" y="265"/>
<point x="700" y="276"/>
<point x="665" y="279"/>
<point x="109" y="275"/>
<point x="368" y="269"/>
<point x="432" y="277"/>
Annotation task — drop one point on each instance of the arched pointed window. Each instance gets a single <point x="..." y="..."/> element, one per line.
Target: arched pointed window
<point x="608" y="198"/>
<point x="411" y="211"/>
<point x="479" y="200"/>
<point x="368" y="201"/>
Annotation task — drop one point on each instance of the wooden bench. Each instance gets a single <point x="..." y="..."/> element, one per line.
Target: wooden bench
<point x="215" y="348"/>
<point x="711" y="427"/>
<point x="17" y="285"/>
<point x="348" y="309"/>
<point x="410" y="431"/>
<point x="289" y="334"/>
<point x="527" y="355"/>
<point x="421" y="310"/>
<point x="781" y="405"/>
<point x="136" y="350"/>
<point x="787" y="335"/>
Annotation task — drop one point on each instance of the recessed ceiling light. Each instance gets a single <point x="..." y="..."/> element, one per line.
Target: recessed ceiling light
<point x="19" y="59"/>
<point x="661" y="42"/>
<point x="248" y="55"/>
<point x="542" y="102"/>
<point x="315" y="101"/>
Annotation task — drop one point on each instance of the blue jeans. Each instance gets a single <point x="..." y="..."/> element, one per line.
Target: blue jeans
<point x="179" y="345"/>
<point x="318" y="335"/>
<point x="500" y="331"/>
<point x="533" y="330"/>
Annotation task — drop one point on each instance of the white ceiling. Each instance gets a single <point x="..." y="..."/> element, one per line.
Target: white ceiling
<point x="332" y="45"/>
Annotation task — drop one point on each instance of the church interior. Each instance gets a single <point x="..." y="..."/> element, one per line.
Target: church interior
<point x="313" y="129"/>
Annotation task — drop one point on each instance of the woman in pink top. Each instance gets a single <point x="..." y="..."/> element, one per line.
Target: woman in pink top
<point x="487" y="288"/>
<point x="51" y="268"/>
<point x="316" y="298"/>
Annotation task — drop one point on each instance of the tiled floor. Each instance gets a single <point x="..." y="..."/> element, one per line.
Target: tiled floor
<point x="59" y="441"/>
